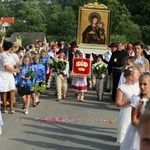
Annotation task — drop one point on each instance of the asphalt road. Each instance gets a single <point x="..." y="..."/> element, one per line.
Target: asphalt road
<point x="65" y="125"/>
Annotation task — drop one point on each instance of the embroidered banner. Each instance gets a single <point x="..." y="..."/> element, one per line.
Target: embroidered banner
<point x="81" y="66"/>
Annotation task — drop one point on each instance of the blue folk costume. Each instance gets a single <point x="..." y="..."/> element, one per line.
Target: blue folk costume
<point x="44" y="61"/>
<point x="21" y="83"/>
<point x="39" y="70"/>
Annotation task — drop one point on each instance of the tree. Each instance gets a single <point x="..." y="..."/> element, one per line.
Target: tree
<point x="140" y="12"/>
<point x="121" y="21"/>
<point x="118" y="38"/>
<point x="121" y="18"/>
<point x="76" y="3"/>
<point x="27" y="18"/>
<point x="26" y="41"/>
<point x="146" y="34"/>
<point x="51" y="12"/>
<point x="68" y="25"/>
<point x="5" y="11"/>
<point x="61" y="17"/>
<point x="18" y="26"/>
<point x="64" y="3"/>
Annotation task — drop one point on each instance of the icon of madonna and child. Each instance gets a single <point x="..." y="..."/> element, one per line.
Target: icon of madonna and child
<point x="95" y="32"/>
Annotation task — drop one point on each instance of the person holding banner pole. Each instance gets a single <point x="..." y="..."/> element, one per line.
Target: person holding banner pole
<point x="79" y="82"/>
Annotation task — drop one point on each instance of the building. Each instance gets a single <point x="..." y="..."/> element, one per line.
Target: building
<point x="5" y="23"/>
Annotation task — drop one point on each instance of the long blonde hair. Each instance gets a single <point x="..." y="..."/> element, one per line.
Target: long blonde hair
<point x="130" y="71"/>
<point x="26" y="56"/>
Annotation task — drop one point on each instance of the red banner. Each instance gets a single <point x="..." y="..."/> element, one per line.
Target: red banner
<point x="81" y="66"/>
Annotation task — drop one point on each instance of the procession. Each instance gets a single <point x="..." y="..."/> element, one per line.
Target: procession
<point x="89" y="70"/>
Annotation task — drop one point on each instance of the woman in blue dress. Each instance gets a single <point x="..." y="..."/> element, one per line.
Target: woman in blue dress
<point x="24" y="82"/>
<point x="39" y="70"/>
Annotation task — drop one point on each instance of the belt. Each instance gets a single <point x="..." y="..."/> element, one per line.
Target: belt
<point x="117" y="67"/>
<point x="64" y="75"/>
<point x="59" y="73"/>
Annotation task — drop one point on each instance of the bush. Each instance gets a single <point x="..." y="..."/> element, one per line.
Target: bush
<point x="118" y="38"/>
<point x="146" y="34"/>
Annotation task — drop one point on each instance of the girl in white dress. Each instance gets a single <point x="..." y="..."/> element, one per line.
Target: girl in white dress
<point x="1" y="120"/>
<point x="79" y="83"/>
<point x="124" y="93"/>
<point x="129" y="61"/>
<point x="144" y="128"/>
<point x="132" y="139"/>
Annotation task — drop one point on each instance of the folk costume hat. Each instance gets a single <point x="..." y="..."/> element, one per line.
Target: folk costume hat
<point x="73" y="45"/>
<point x="112" y="45"/>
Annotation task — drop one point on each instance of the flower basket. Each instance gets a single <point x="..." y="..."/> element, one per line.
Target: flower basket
<point x="57" y="65"/>
<point x="99" y="68"/>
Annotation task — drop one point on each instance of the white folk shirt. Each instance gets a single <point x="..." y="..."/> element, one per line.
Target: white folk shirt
<point x="141" y="60"/>
<point x="107" y="56"/>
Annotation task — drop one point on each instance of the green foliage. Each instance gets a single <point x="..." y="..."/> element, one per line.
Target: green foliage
<point x="122" y="25"/>
<point x="130" y="19"/>
<point x="5" y="11"/>
<point x="76" y="3"/>
<point x="2" y="34"/>
<point x="118" y="38"/>
<point x="41" y="88"/>
<point x="51" y="12"/>
<point x="133" y="32"/>
<point x="18" y="26"/>
<point x="140" y="12"/>
<point x="146" y="34"/>
<point x="68" y="25"/>
<point x="30" y="74"/>
<point x="52" y="37"/>
<point x="26" y="41"/>
<point x="30" y="18"/>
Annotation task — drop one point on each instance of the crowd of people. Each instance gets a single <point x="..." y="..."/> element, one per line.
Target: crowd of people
<point x="127" y="78"/>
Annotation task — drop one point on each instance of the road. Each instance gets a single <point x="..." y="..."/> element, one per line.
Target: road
<point x="65" y="125"/>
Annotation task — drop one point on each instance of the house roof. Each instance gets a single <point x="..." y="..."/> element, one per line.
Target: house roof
<point x="7" y="19"/>
<point x="33" y="37"/>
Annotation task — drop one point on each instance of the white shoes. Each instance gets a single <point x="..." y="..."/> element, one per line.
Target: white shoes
<point x="26" y="112"/>
<point x="0" y="130"/>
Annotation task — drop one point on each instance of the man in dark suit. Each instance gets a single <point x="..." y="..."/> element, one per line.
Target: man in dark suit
<point x="115" y="66"/>
<point x="71" y="54"/>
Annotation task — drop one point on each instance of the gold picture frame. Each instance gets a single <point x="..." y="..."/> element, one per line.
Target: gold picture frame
<point x="102" y="28"/>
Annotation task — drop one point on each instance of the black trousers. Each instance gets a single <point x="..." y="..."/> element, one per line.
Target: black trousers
<point x="116" y="76"/>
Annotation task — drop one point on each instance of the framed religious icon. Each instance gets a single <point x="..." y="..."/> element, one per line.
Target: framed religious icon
<point x="94" y="25"/>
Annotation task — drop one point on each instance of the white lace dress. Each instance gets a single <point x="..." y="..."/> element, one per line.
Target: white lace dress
<point x="125" y="112"/>
<point x="7" y="76"/>
<point x="132" y="139"/>
<point x="1" y="87"/>
<point x="79" y="84"/>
